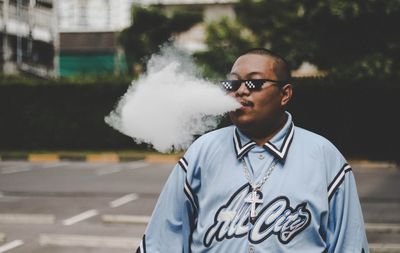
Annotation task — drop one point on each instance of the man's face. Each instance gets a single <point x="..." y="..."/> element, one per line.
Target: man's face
<point x="260" y="108"/>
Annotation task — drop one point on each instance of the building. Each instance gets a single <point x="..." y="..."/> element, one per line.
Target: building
<point x="88" y="36"/>
<point x="29" y="37"/>
<point x="73" y="37"/>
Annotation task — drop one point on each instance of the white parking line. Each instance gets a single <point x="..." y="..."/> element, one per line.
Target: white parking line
<point x="16" y="218"/>
<point x="137" y="165"/>
<point x="126" y="219"/>
<point x="123" y="200"/>
<point x="2" y="238"/>
<point x="80" y="217"/>
<point x="88" y="241"/>
<point x="107" y="171"/>
<point x="48" y="166"/>
<point x="384" y="247"/>
<point x="382" y="228"/>
<point x="12" y="170"/>
<point x="11" y="245"/>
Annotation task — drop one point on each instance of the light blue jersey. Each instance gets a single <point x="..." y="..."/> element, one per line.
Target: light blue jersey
<point x="309" y="200"/>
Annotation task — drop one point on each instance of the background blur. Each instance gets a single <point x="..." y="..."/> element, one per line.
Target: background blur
<point x="65" y="64"/>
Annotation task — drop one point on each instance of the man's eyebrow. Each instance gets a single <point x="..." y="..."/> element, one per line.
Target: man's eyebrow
<point x="249" y="74"/>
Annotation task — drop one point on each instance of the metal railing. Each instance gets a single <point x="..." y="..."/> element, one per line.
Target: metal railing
<point x="35" y="17"/>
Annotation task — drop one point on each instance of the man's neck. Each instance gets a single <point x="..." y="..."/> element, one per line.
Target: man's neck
<point x="261" y="135"/>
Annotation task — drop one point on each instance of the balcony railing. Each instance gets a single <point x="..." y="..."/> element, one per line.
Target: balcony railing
<point x="36" y="17"/>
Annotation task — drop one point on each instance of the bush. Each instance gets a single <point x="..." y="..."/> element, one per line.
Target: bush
<point x="358" y="116"/>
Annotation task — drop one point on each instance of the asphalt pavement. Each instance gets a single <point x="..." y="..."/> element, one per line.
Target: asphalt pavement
<point x="81" y="207"/>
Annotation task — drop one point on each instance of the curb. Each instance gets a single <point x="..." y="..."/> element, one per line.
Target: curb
<point x="92" y="158"/>
<point x="162" y="158"/>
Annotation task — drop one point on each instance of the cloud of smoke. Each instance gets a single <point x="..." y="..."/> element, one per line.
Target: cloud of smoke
<point x="170" y="104"/>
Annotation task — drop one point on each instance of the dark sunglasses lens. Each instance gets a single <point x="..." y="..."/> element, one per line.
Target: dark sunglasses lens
<point x="254" y="84"/>
<point x="231" y="85"/>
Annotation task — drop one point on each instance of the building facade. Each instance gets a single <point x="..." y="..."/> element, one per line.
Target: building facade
<point x="29" y="37"/>
<point x="52" y="38"/>
<point x="88" y="36"/>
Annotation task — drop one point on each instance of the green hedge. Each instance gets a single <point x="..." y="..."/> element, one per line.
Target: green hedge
<point x="62" y="116"/>
<point x="360" y="117"/>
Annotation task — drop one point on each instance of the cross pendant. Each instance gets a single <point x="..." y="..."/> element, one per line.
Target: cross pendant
<point x="254" y="199"/>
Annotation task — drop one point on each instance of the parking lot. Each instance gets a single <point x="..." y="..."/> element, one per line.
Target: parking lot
<point x="81" y="207"/>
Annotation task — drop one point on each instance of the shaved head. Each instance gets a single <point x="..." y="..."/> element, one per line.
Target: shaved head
<point x="281" y="67"/>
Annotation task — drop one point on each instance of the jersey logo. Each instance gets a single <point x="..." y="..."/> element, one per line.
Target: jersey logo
<point x="276" y="218"/>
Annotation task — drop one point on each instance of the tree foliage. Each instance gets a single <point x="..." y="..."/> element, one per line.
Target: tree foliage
<point x="151" y="27"/>
<point x="225" y="39"/>
<point x="354" y="39"/>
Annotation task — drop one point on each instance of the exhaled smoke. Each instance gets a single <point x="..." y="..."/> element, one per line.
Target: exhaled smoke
<point x="168" y="105"/>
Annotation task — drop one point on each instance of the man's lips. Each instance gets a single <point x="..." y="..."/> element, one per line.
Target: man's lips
<point x="245" y="105"/>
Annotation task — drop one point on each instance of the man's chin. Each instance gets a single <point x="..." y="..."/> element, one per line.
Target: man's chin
<point x="241" y="121"/>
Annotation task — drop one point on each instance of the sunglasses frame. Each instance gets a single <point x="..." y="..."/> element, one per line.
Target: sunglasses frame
<point x="251" y="84"/>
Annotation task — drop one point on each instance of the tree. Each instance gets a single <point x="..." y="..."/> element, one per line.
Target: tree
<point x="225" y="39"/>
<point x="353" y="39"/>
<point x="151" y="27"/>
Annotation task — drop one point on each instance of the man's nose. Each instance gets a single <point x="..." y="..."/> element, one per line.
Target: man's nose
<point x="243" y="90"/>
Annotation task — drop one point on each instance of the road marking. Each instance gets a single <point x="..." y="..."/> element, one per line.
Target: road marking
<point x="137" y="165"/>
<point x="12" y="170"/>
<point x="384" y="247"/>
<point x="88" y="241"/>
<point x="123" y="200"/>
<point x="103" y="172"/>
<point x="2" y="238"/>
<point x="13" y="218"/>
<point x="80" y="217"/>
<point x="129" y="219"/>
<point x="48" y="166"/>
<point x="11" y="245"/>
<point x="382" y="228"/>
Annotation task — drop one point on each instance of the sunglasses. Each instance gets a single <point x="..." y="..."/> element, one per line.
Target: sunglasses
<point x="251" y="84"/>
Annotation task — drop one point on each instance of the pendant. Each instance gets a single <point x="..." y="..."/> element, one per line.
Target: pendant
<point x="254" y="198"/>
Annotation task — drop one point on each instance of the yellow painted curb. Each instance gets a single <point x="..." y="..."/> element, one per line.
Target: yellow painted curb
<point x="104" y="157"/>
<point x="162" y="158"/>
<point x="43" y="158"/>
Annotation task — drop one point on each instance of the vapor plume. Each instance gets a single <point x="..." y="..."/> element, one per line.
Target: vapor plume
<point x="169" y="104"/>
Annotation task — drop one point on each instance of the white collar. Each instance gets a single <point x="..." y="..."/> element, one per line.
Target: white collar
<point x="277" y="146"/>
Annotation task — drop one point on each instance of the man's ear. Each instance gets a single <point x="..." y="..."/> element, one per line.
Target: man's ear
<point x="287" y="92"/>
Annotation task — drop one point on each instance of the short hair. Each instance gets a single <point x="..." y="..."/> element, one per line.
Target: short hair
<point x="282" y="68"/>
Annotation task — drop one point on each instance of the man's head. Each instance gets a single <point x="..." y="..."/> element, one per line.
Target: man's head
<point x="263" y="107"/>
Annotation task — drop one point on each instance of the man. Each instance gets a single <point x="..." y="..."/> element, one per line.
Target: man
<point x="262" y="185"/>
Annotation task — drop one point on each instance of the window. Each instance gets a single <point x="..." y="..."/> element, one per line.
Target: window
<point x="44" y="3"/>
